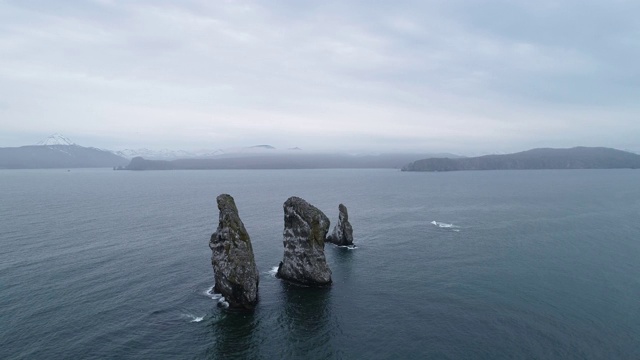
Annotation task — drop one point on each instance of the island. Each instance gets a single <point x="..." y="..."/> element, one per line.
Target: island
<point x="543" y="158"/>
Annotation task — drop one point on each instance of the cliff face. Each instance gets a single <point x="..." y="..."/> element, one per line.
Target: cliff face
<point x="234" y="266"/>
<point x="574" y="158"/>
<point x="305" y="229"/>
<point x="343" y="232"/>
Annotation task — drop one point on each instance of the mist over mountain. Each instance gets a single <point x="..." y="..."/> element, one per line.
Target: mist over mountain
<point x="296" y="160"/>
<point x="544" y="158"/>
<point x="58" y="151"/>
<point x="168" y="154"/>
<point x="162" y="154"/>
<point x="263" y="157"/>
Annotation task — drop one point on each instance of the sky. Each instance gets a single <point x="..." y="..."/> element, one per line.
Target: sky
<point x="467" y="77"/>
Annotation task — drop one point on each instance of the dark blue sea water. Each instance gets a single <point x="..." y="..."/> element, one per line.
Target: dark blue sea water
<point x="99" y="264"/>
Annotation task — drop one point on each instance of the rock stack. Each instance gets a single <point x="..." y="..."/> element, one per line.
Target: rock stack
<point x="305" y="229"/>
<point x="343" y="232"/>
<point x="234" y="267"/>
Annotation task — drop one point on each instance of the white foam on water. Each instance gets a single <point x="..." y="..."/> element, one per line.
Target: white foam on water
<point x="273" y="271"/>
<point x="211" y="294"/>
<point x="444" y="225"/>
<point x="194" y="318"/>
<point x="350" y="247"/>
<point x="223" y="302"/>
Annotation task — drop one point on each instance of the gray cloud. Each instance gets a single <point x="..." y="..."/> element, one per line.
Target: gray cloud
<point x="412" y="75"/>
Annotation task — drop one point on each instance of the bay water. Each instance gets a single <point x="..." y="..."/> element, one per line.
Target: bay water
<point x="101" y="264"/>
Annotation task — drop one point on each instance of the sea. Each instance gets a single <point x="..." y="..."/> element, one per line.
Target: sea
<point x="103" y="264"/>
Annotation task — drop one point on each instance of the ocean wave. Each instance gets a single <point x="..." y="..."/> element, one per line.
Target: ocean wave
<point x="445" y="225"/>
<point x="223" y="302"/>
<point x="194" y="318"/>
<point x="350" y="247"/>
<point x="214" y="296"/>
<point x="273" y="271"/>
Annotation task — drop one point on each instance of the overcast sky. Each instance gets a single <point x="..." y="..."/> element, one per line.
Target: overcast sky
<point x="466" y="76"/>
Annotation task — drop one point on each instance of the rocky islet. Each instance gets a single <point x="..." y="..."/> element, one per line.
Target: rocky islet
<point x="342" y="233"/>
<point x="305" y="229"/>
<point x="234" y="266"/>
<point x="303" y="263"/>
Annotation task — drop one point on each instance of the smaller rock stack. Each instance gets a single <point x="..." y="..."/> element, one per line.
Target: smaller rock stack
<point x="234" y="266"/>
<point x="305" y="229"/>
<point x="343" y="232"/>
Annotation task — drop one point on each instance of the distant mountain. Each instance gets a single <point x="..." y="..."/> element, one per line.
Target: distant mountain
<point x="265" y="147"/>
<point x="57" y="151"/>
<point x="290" y="160"/>
<point x="573" y="158"/>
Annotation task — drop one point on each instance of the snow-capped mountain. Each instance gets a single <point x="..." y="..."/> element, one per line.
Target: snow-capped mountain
<point x="55" y="139"/>
<point x="57" y="151"/>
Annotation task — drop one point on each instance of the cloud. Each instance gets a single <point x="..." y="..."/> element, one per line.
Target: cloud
<point x="427" y="75"/>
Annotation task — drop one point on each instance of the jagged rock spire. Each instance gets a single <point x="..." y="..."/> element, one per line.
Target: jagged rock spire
<point x="234" y="266"/>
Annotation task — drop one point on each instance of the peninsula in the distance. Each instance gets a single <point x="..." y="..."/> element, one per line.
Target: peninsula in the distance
<point x="545" y="158"/>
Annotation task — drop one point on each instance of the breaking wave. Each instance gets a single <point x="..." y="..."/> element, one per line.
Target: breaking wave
<point x="446" y="226"/>
<point x="223" y="302"/>
<point x="350" y="247"/>
<point x="194" y="318"/>
<point x="273" y="271"/>
<point x="211" y="294"/>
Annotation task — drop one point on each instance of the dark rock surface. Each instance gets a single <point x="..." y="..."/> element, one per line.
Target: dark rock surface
<point x="234" y="266"/>
<point x="343" y="232"/>
<point x="305" y="229"/>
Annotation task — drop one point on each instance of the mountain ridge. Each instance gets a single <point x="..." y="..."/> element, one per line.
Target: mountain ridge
<point x="57" y="156"/>
<point x="579" y="157"/>
<point x="57" y="151"/>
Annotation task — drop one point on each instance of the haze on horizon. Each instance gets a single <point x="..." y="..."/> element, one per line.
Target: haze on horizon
<point x="431" y="76"/>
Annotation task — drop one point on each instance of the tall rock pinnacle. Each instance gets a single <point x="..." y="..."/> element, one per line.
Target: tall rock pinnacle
<point x="343" y="232"/>
<point x="234" y="267"/>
